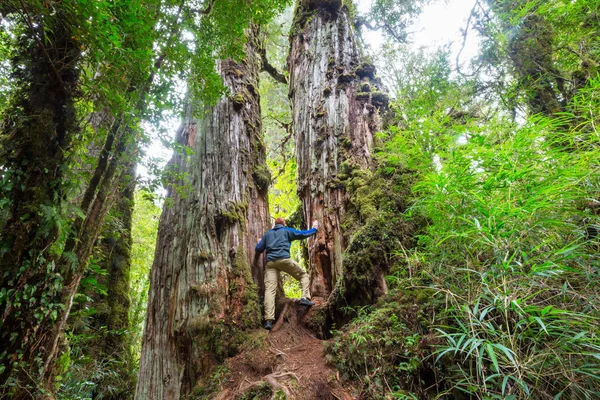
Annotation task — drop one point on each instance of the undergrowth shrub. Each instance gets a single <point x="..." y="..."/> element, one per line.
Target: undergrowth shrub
<point x="507" y="250"/>
<point x="387" y="347"/>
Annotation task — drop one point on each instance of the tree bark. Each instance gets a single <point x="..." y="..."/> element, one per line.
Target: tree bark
<point x="204" y="285"/>
<point x="113" y="314"/>
<point x="334" y="106"/>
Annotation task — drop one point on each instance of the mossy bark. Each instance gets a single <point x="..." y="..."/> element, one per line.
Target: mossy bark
<point x="112" y="315"/>
<point x="37" y="130"/>
<point x="333" y="126"/>
<point x="205" y="283"/>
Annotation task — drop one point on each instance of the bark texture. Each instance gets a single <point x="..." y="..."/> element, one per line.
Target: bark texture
<point x="204" y="286"/>
<point x="334" y="104"/>
<point x="113" y="308"/>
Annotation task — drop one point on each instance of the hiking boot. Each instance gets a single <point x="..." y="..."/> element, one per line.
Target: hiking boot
<point x="268" y="325"/>
<point x="306" y="302"/>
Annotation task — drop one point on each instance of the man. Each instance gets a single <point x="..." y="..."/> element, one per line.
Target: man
<point x="276" y="243"/>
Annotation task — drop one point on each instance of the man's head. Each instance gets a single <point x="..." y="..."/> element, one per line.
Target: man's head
<point x="279" y="221"/>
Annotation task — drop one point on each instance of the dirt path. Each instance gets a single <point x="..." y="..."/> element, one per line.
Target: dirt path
<point x="292" y="364"/>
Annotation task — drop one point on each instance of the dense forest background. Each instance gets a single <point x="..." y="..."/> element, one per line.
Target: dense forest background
<point x="458" y="199"/>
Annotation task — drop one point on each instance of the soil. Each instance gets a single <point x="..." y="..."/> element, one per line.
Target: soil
<point x="292" y="362"/>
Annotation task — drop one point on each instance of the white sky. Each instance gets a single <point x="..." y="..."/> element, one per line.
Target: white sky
<point x="438" y="24"/>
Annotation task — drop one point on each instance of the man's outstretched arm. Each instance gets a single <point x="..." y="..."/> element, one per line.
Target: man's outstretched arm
<point x="299" y="235"/>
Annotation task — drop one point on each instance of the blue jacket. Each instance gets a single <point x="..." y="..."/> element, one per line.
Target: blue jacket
<point x="277" y="241"/>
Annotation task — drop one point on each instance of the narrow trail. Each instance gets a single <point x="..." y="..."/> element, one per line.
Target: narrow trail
<point x="293" y="363"/>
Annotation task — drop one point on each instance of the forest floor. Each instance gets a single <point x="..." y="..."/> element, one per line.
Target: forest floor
<point x="291" y="364"/>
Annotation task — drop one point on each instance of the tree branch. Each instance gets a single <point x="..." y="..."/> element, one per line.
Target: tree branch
<point x="464" y="42"/>
<point x="204" y="11"/>
<point x="269" y="68"/>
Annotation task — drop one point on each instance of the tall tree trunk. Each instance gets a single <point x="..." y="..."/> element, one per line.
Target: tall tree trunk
<point x="114" y="307"/>
<point x="334" y="116"/>
<point x="35" y="135"/>
<point x="204" y="284"/>
<point x="119" y="267"/>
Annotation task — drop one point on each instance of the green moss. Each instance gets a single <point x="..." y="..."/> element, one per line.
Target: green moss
<point x="296" y="218"/>
<point x="365" y="70"/>
<point x="345" y="79"/>
<point x="235" y="332"/>
<point x="250" y="314"/>
<point x="231" y="216"/>
<point x="262" y="176"/>
<point x="365" y="87"/>
<point x="389" y="339"/>
<point x="203" y="256"/>
<point x="346" y="143"/>
<point x="218" y="377"/>
<point x="346" y="168"/>
<point x="317" y="323"/>
<point x="199" y="324"/>
<point x="350" y="9"/>
<point x="365" y="96"/>
<point x="380" y="99"/>
<point x="327" y="91"/>
<point x="302" y="16"/>
<point x="260" y="392"/>
<point x="238" y="101"/>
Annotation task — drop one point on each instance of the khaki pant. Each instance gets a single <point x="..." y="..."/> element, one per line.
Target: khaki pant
<point x="272" y="273"/>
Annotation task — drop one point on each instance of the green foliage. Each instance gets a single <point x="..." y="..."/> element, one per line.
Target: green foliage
<point x="392" y="17"/>
<point x="384" y="347"/>
<point x="144" y="230"/>
<point x="507" y="250"/>
<point x="506" y="245"/>
<point x="122" y="60"/>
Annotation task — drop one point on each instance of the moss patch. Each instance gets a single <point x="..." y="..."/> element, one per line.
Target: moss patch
<point x="345" y="79"/>
<point x="238" y="100"/>
<point x="392" y="339"/>
<point x="262" y="177"/>
<point x="260" y="392"/>
<point x="365" y="70"/>
<point x="380" y="99"/>
<point x="364" y="96"/>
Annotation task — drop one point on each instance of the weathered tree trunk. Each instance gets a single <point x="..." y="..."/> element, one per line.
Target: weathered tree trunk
<point x="203" y="284"/>
<point x="113" y="308"/>
<point x="334" y="108"/>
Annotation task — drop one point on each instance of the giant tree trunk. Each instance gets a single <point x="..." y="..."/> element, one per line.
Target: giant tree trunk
<point x="334" y="120"/>
<point x="203" y="284"/>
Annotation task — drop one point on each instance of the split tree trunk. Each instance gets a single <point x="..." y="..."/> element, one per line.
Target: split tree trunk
<point x="334" y="116"/>
<point x="204" y="290"/>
